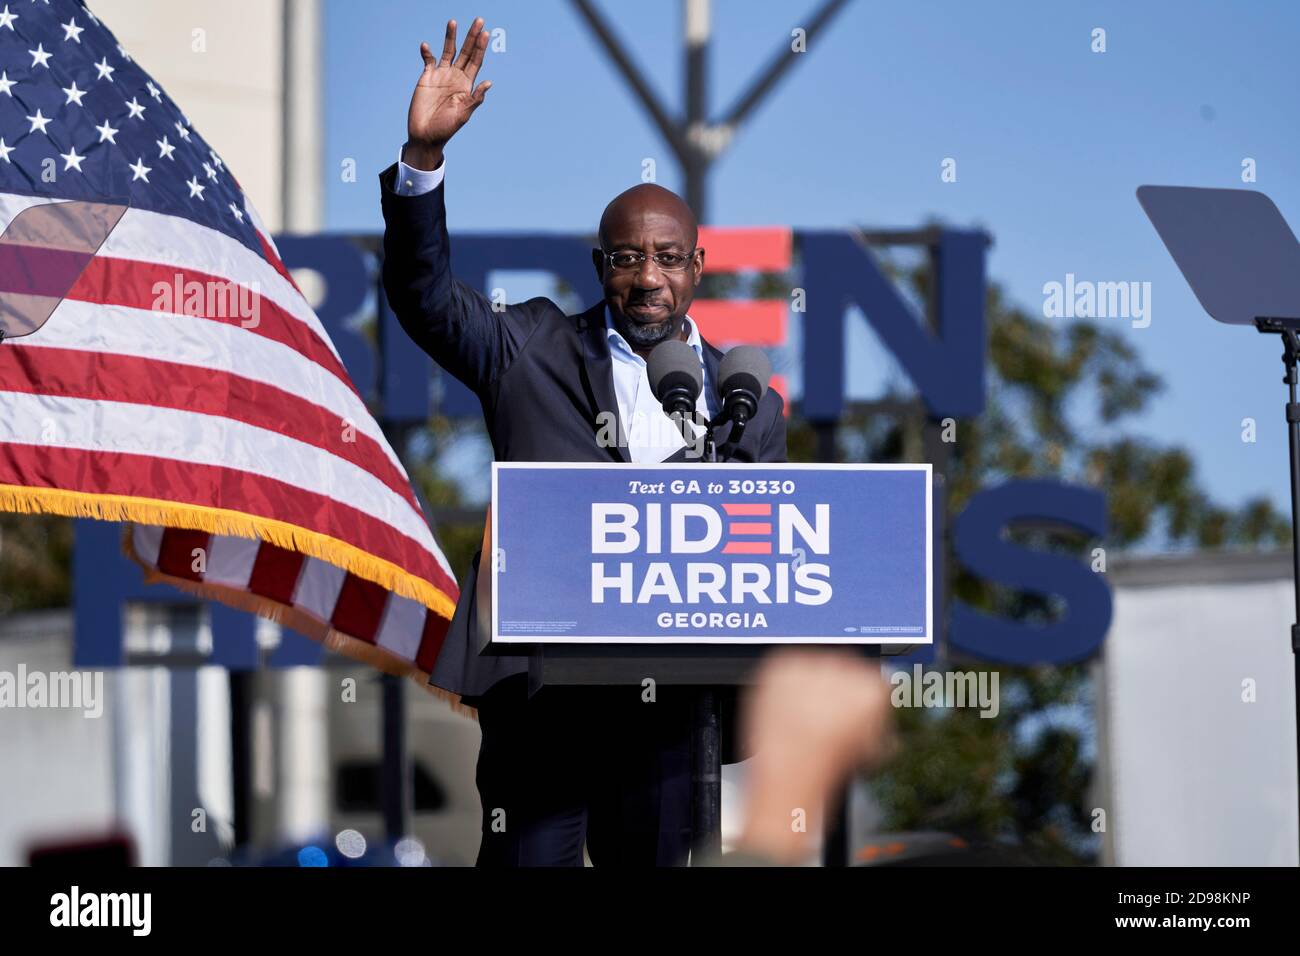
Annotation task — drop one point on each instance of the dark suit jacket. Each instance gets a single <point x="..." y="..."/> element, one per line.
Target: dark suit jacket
<point x="541" y="376"/>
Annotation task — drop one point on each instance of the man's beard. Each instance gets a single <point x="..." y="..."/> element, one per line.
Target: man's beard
<point x="639" y="335"/>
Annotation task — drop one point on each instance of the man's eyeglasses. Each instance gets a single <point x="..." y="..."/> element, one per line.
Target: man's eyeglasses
<point x="631" y="261"/>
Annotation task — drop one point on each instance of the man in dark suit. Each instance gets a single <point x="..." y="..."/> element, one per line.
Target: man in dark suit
<point x="570" y="764"/>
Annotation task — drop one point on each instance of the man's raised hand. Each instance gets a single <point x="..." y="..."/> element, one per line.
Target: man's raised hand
<point x="445" y="97"/>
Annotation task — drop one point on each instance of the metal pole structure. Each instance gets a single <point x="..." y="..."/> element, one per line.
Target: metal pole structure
<point x="395" y="787"/>
<point x="695" y="163"/>
<point x="1290" y="356"/>
<point x="706" y="775"/>
<point x="1290" y="352"/>
<point x="396" y="783"/>
<point x="242" y="695"/>
<point x="695" y="141"/>
<point x="301" y="117"/>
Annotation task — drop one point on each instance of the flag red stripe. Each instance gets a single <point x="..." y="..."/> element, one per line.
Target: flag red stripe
<point x="359" y="608"/>
<point x="39" y="270"/>
<point x="147" y="476"/>
<point x="176" y="552"/>
<point x="130" y="283"/>
<point x="275" y="572"/>
<point x="104" y="376"/>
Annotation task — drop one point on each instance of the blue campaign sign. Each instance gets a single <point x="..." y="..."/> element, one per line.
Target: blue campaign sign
<point x="712" y="554"/>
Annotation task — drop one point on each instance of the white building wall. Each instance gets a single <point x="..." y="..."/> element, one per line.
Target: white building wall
<point x="56" y="764"/>
<point x="1195" y="774"/>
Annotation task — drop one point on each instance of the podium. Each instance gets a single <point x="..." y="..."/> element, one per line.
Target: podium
<point x="616" y="573"/>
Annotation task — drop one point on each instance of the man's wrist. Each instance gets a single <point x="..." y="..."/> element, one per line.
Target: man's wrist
<point x="423" y="156"/>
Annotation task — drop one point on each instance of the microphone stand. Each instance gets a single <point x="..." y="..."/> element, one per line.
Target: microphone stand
<point x="706" y="739"/>
<point x="706" y="749"/>
<point x="706" y="715"/>
<point x="739" y="418"/>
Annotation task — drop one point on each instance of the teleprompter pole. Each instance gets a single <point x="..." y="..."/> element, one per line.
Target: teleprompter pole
<point x="1290" y="354"/>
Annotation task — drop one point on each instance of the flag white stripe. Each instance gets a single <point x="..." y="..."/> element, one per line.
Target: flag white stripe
<point x="166" y="240"/>
<point x="318" y="588"/>
<point x="208" y="345"/>
<point x="187" y="436"/>
<point x="147" y="540"/>
<point x="230" y="560"/>
<point x="12" y="204"/>
<point x="402" y="626"/>
<point x="153" y="237"/>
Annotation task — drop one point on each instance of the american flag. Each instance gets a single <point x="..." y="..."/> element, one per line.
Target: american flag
<point x="162" y="367"/>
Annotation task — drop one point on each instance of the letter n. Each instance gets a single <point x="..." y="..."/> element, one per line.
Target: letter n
<point x="947" y="368"/>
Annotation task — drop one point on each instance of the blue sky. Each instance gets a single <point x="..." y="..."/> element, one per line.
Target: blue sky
<point x="1050" y="138"/>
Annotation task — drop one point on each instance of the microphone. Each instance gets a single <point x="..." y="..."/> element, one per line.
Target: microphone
<point x="743" y="375"/>
<point x="675" y="377"/>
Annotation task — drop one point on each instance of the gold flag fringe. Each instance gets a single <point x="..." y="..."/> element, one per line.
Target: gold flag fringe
<point x="358" y="650"/>
<point x="221" y="521"/>
<point x="153" y="511"/>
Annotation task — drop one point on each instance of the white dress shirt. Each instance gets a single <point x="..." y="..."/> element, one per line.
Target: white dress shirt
<point x="416" y="182"/>
<point x="651" y="435"/>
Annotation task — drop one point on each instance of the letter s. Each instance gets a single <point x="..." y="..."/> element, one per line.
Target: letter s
<point x="979" y="546"/>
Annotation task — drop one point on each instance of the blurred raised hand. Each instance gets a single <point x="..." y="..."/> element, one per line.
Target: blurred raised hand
<point x="812" y="719"/>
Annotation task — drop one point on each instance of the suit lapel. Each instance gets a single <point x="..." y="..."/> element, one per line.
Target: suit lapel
<point x="712" y="358"/>
<point x="598" y="379"/>
<point x="598" y="375"/>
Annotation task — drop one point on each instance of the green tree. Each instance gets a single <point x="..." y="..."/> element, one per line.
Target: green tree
<point x="35" y="562"/>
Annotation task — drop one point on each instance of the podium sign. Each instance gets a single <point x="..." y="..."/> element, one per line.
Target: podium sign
<point x="711" y="554"/>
